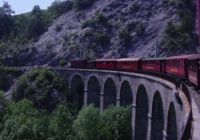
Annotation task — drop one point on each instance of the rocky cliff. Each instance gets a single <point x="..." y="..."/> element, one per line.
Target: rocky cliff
<point x="109" y="29"/>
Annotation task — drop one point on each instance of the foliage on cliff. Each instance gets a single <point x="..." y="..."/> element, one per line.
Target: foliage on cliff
<point x="98" y="29"/>
<point x="43" y="87"/>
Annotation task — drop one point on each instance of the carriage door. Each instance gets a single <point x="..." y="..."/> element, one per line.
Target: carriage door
<point x="163" y="64"/>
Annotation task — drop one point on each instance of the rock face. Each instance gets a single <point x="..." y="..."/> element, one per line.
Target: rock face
<point x="108" y="29"/>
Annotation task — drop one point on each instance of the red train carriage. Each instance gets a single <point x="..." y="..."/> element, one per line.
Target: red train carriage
<point x="91" y="64"/>
<point x="152" y="65"/>
<point x="177" y="65"/>
<point x="109" y="64"/>
<point x="194" y="69"/>
<point x="78" y="64"/>
<point x="128" y="64"/>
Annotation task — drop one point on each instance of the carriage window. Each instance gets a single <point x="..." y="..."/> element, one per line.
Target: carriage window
<point x="195" y="65"/>
<point x="189" y="63"/>
<point x="178" y="62"/>
<point x="175" y="63"/>
<point x="182" y="63"/>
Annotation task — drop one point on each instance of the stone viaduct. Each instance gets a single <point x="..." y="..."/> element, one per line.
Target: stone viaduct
<point x="160" y="110"/>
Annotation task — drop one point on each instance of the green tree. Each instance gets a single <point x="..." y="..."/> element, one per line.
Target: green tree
<point x="86" y="126"/>
<point x="116" y="123"/>
<point x="61" y="124"/>
<point x="40" y="126"/>
<point x="43" y="87"/>
<point x="125" y="37"/>
<point x="37" y="24"/>
<point x="3" y="105"/>
<point x="59" y="7"/>
<point x="19" y="121"/>
<point x="6" y="20"/>
<point x="83" y="4"/>
<point x="20" y="30"/>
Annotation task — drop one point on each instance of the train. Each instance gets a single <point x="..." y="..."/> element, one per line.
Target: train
<point x="182" y="66"/>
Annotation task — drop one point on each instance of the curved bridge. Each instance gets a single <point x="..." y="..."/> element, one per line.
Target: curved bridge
<point x="160" y="110"/>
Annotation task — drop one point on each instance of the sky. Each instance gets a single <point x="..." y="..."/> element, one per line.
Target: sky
<point x="23" y="6"/>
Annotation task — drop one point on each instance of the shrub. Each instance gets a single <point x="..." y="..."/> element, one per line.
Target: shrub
<point x="102" y="39"/>
<point x="86" y="126"/>
<point x="181" y="36"/>
<point x="116" y="123"/>
<point x="22" y="121"/>
<point x="96" y="38"/>
<point x="134" y="8"/>
<point x="62" y="62"/>
<point x="3" y="105"/>
<point x="101" y="18"/>
<point x="125" y="37"/>
<point x="113" y="123"/>
<point x="140" y="28"/>
<point x="58" y="28"/>
<point x="37" y="25"/>
<point x="59" y="7"/>
<point x="176" y="38"/>
<point x="83" y="4"/>
<point x="98" y="20"/>
<point x="19" y="121"/>
<point x="61" y="123"/>
<point x="89" y="53"/>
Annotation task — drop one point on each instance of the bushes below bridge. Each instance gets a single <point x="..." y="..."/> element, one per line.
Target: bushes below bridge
<point x="113" y="123"/>
<point x="43" y="87"/>
<point x="22" y="121"/>
<point x="36" y="114"/>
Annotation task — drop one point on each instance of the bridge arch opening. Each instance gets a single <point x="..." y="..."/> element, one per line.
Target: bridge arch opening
<point x="76" y="95"/>
<point x="109" y="93"/>
<point x="141" y="118"/>
<point x="172" y="125"/>
<point x="157" y="122"/>
<point x="93" y="91"/>
<point x="125" y="94"/>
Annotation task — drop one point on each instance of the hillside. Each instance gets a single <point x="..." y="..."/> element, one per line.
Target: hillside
<point x="114" y="28"/>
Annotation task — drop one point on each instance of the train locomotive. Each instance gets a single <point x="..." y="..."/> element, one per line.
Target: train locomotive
<point x="182" y="66"/>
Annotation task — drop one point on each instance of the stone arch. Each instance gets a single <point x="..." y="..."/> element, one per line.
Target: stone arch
<point x="157" y="122"/>
<point x="93" y="88"/>
<point x="76" y="95"/>
<point x="171" y="123"/>
<point x="141" y="117"/>
<point x="125" y="94"/>
<point x="109" y="93"/>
